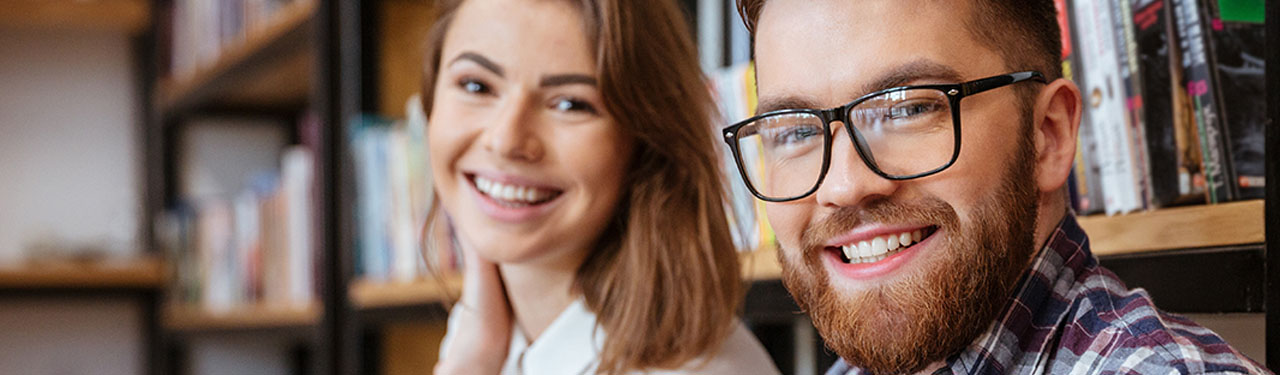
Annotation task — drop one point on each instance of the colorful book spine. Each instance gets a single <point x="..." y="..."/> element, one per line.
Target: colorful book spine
<point x="1168" y="176"/>
<point x="1237" y="41"/>
<point x="1086" y="185"/>
<point x="1203" y="98"/>
<point x="1102" y="87"/>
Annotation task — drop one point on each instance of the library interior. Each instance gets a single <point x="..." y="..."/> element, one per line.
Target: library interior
<point x="239" y="186"/>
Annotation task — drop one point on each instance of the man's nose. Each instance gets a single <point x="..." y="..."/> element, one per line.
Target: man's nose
<point x="850" y="181"/>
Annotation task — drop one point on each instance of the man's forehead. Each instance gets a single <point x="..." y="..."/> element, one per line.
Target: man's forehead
<point x="832" y="51"/>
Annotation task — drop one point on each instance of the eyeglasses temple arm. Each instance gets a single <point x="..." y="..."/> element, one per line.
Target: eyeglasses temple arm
<point x="978" y="86"/>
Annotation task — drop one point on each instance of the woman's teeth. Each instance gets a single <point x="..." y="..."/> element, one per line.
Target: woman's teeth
<point x="513" y="195"/>
<point x="880" y="247"/>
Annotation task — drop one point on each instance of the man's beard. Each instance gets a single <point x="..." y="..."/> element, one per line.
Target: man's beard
<point x="924" y="317"/>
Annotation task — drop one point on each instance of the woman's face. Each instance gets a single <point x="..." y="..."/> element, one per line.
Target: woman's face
<point x="526" y="161"/>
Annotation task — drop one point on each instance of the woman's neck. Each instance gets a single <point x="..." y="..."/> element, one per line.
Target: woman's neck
<point x="538" y="294"/>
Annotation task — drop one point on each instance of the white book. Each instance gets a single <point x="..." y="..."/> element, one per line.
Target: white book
<point x="297" y="176"/>
<point x="403" y="261"/>
<point x="215" y="248"/>
<point x="1103" y="93"/>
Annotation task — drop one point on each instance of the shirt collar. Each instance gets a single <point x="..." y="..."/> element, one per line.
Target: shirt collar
<point x="1023" y="331"/>
<point x="570" y="345"/>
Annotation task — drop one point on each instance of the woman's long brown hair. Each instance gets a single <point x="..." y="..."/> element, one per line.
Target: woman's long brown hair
<point x="664" y="278"/>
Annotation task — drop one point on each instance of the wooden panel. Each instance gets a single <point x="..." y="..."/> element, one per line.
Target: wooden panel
<point x="1227" y="224"/>
<point x="196" y="319"/>
<point x="271" y="66"/>
<point x="145" y="273"/>
<point x="370" y="295"/>
<point x="128" y="16"/>
<point x="403" y="32"/>
<point x="411" y="348"/>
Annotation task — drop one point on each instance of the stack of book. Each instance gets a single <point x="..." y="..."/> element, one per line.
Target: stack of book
<point x="734" y="89"/>
<point x="255" y="246"/>
<point x="393" y="196"/>
<point x="1174" y="96"/>
<point x="200" y="30"/>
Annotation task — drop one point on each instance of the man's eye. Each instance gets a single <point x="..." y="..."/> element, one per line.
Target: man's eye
<point x="573" y="105"/>
<point x="798" y="134"/>
<point x="914" y="108"/>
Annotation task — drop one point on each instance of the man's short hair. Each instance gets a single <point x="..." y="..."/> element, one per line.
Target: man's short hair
<point x="1024" y="32"/>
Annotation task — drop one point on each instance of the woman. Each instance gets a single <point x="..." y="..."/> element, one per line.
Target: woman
<point x="572" y="154"/>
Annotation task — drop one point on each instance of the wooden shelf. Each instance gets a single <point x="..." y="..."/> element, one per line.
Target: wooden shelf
<point x="367" y="294"/>
<point x="1227" y="224"/>
<point x="270" y="68"/>
<point x="127" y="16"/>
<point x="1220" y="225"/>
<point x="257" y="317"/>
<point x="142" y="273"/>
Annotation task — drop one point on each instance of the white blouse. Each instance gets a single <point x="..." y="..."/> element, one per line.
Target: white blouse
<point x="570" y="345"/>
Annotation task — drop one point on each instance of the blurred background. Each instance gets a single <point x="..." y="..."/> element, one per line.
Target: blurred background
<point x="234" y="186"/>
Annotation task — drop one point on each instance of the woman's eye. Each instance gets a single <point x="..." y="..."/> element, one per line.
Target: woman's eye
<point x="573" y="105"/>
<point x="474" y="86"/>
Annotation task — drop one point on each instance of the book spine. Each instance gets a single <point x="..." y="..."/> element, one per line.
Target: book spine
<point x="1088" y="182"/>
<point x="1236" y="45"/>
<point x="1200" y="93"/>
<point x="296" y="179"/>
<point x="1127" y="60"/>
<point x="1104" y="101"/>
<point x="1152" y="41"/>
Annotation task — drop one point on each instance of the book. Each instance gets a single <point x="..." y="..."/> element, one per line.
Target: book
<point x="1134" y="119"/>
<point x="734" y="91"/>
<point x="1085" y="183"/>
<point x="1237" y="41"/>
<point x="1203" y="98"/>
<point x="1103" y="89"/>
<point x="254" y="245"/>
<point x="393" y="196"/>
<point x="1168" y="175"/>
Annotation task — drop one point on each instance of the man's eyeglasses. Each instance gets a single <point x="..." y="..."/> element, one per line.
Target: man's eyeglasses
<point x="901" y="133"/>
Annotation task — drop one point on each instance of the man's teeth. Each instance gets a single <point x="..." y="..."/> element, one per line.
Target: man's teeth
<point x="522" y="195"/>
<point x="880" y="247"/>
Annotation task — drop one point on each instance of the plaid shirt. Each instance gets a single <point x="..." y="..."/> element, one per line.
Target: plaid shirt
<point x="1071" y="316"/>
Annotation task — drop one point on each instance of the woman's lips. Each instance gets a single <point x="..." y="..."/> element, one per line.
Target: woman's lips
<point x="506" y="201"/>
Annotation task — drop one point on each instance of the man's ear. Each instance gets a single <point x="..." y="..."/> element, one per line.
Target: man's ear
<point x="1057" y="122"/>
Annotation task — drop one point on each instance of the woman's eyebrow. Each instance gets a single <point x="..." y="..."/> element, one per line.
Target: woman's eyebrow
<point x="567" y="79"/>
<point x="484" y="62"/>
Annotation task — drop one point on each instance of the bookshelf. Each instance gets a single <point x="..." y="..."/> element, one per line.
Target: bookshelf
<point x="270" y="67"/>
<point x="346" y="58"/>
<point x="184" y="319"/>
<point x="132" y="274"/>
<point x="366" y="295"/>
<point x="128" y="16"/>
<point x="1221" y="225"/>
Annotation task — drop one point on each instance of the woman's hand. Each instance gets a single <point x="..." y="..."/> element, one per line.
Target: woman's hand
<point x="481" y="323"/>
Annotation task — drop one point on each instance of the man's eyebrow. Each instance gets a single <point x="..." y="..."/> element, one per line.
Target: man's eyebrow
<point x="484" y="62"/>
<point x="771" y="104"/>
<point x="897" y="76"/>
<point x="910" y="72"/>
<point x="567" y="79"/>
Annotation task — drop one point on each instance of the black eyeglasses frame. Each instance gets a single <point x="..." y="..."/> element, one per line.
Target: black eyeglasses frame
<point x="954" y="93"/>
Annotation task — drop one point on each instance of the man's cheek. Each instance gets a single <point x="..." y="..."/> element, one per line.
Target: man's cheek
<point x="787" y="221"/>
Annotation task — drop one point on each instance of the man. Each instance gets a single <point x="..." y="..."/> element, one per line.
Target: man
<point x="918" y="245"/>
